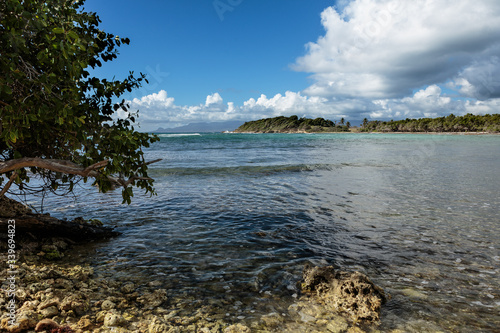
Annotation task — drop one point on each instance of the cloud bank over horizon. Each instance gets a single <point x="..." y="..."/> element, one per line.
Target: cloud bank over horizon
<point x="379" y="59"/>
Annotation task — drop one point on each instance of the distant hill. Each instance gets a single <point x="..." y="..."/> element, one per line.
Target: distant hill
<point x="202" y="127"/>
<point x="291" y="124"/>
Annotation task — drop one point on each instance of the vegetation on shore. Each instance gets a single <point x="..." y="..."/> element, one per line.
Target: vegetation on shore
<point x="293" y="124"/>
<point x="57" y="121"/>
<point x="468" y="123"/>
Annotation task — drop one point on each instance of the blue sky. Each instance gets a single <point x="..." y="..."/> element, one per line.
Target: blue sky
<point x="226" y="60"/>
<point x="195" y="49"/>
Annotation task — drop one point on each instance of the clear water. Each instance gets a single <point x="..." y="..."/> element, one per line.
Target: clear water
<point x="238" y="215"/>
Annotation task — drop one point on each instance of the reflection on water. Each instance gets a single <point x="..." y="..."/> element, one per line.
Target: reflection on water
<point x="238" y="216"/>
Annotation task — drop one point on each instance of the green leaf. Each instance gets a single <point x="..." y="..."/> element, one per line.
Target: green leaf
<point x="73" y="35"/>
<point x="13" y="137"/>
<point x="58" y="30"/>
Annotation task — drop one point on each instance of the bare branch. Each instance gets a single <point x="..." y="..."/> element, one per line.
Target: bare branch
<point x="153" y="161"/>
<point x="51" y="164"/>
<point x="64" y="166"/>
<point x="9" y="183"/>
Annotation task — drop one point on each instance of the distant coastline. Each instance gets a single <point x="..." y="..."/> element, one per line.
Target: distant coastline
<point x="292" y="124"/>
<point x="454" y="125"/>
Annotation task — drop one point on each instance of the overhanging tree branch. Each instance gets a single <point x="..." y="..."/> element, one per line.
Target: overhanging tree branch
<point x="51" y="164"/>
<point x="63" y="166"/>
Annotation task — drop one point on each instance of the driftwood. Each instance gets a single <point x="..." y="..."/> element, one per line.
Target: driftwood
<point x="39" y="226"/>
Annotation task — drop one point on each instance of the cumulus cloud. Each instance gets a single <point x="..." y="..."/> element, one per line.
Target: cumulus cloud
<point x="213" y="99"/>
<point x="429" y="103"/>
<point x="388" y="48"/>
<point x="291" y="103"/>
<point x="158" y="108"/>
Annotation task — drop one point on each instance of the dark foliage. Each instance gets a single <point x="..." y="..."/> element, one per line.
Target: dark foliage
<point x="291" y="124"/>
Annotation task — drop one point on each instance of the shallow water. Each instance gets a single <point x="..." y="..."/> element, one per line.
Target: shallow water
<point x="238" y="215"/>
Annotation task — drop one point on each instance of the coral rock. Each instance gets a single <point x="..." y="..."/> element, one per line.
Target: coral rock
<point x="107" y="305"/>
<point x="46" y="325"/>
<point x="349" y="292"/>
<point x="51" y="311"/>
<point x="154" y="299"/>
<point x="158" y="326"/>
<point x="237" y="328"/>
<point x="114" y="320"/>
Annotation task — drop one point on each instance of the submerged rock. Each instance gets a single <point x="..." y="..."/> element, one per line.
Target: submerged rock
<point x="351" y="293"/>
<point x="272" y="320"/>
<point x="158" y="326"/>
<point x="128" y="288"/>
<point x="237" y="328"/>
<point x="154" y="299"/>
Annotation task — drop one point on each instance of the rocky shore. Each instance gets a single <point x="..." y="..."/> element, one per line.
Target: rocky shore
<point x="72" y="298"/>
<point x="56" y="294"/>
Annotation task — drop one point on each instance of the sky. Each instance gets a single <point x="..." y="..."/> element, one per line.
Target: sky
<point x="240" y="60"/>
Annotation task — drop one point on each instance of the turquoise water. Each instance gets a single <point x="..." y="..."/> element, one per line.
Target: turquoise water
<point x="238" y="215"/>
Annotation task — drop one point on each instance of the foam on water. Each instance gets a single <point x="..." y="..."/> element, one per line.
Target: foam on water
<point x="176" y="135"/>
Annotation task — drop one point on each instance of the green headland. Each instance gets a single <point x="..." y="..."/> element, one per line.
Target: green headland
<point x="468" y="123"/>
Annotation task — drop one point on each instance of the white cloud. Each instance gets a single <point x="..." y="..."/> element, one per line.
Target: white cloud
<point x="387" y="48"/>
<point x="430" y="103"/>
<point x="213" y="99"/>
<point x="291" y="103"/>
<point x="158" y="109"/>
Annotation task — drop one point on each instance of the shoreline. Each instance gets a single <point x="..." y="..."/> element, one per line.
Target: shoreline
<point x="72" y="297"/>
<point x="360" y="132"/>
<point x="53" y="286"/>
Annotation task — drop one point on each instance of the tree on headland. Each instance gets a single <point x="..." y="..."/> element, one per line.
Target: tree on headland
<point x="291" y="124"/>
<point x="58" y="122"/>
<point x="467" y="123"/>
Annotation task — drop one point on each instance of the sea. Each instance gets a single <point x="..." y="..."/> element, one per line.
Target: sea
<point x="238" y="216"/>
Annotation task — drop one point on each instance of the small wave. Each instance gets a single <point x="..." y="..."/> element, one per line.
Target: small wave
<point x="178" y="135"/>
<point x="263" y="170"/>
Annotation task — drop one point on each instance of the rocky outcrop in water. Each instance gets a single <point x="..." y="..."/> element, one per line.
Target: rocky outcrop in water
<point x="350" y="293"/>
<point x="39" y="226"/>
